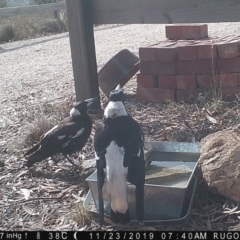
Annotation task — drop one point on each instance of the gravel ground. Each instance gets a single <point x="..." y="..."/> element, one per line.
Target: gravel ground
<point x="37" y="72"/>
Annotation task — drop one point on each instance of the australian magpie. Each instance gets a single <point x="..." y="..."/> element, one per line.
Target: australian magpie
<point x="119" y="151"/>
<point x="69" y="136"/>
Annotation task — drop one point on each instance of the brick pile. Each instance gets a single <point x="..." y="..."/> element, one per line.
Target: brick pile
<point x="188" y="63"/>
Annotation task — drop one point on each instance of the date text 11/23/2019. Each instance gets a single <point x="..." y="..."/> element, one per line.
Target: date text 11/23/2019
<point x="176" y="235"/>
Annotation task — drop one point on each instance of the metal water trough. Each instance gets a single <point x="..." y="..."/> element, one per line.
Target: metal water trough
<point x="167" y="202"/>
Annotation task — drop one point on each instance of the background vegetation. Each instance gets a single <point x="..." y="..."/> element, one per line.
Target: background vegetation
<point x="31" y="25"/>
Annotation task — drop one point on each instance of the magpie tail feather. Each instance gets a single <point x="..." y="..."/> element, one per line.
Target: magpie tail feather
<point x="37" y="156"/>
<point x="31" y="150"/>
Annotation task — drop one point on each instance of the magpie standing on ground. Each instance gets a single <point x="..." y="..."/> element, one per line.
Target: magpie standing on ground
<point x="68" y="137"/>
<point x="119" y="150"/>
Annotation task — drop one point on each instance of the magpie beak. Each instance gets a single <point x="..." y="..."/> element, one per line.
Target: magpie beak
<point x="91" y="101"/>
<point x="118" y="87"/>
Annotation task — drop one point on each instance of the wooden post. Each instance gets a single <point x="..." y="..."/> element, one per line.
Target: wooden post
<point x="82" y="44"/>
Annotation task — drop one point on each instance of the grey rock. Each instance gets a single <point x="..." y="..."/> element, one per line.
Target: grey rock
<point x="220" y="162"/>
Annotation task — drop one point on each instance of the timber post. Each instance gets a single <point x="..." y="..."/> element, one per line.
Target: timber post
<point x="82" y="45"/>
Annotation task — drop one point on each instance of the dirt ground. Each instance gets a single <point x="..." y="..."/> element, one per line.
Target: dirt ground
<point x="37" y="90"/>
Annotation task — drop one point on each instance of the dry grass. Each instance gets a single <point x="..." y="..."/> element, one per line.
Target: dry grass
<point x="31" y="25"/>
<point x="6" y="33"/>
<point x="41" y="119"/>
<point x="80" y="215"/>
<point x="3" y="3"/>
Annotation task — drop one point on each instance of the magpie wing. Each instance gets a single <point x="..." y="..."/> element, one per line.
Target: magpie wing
<point x="134" y="150"/>
<point x="134" y="158"/>
<point x="102" y="139"/>
<point x="60" y="136"/>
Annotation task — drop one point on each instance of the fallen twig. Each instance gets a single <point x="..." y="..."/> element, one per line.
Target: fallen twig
<point x="32" y="199"/>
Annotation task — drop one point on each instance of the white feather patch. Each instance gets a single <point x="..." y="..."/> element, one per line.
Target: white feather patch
<point x="96" y="156"/>
<point x="74" y="112"/>
<point x="61" y="137"/>
<point x="115" y="109"/>
<point x="139" y="152"/>
<point x="51" y="130"/>
<point x="65" y="144"/>
<point x="78" y="133"/>
<point x="118" y="87"/>
<point x="116" y="178"/>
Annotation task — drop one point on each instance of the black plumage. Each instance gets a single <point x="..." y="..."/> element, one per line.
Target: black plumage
<point x="119" y="149"/>
<point x="68" y="137"/>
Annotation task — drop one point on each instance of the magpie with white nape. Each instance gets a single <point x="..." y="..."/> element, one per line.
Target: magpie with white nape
<point x="119" y="151"/>
<point x="68" y="137"/>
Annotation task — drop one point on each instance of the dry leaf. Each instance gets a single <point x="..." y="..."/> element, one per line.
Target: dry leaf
<point x="83" y="228"/>
<point x="211" y="119"/>
<point x="5" y="176"/>
<point x="21" y="173"/>
<point x="217" y="218"/>
<point x="231" y="210"/>
<point x="26" y="193"/>
<point x="29" y="211"/>
<point x="209" y="225"/>
<point x="148" y="229"/>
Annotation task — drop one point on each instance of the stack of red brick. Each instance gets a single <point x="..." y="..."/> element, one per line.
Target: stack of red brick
<point x="188" y="63"/>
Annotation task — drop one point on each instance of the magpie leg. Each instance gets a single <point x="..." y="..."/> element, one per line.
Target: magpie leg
<point x="100" y="182"/>
<point x="139" y="194"/>
<point x="139" y="202"/>
<point x="72" y="162"/>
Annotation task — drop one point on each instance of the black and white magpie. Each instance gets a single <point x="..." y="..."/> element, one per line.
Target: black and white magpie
<point x="68" y="137"/>
<point x="119" y="151"/>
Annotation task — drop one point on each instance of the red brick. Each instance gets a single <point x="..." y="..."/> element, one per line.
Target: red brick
<point x="196" y="66"/>
<point x="187" y="52"/>
<point x="146" y="81"/>
<point x="186" y="81"/>
<point x="186" y="31"/>
<point x="239" y="45"/>
<point x="238" y="75"/>
<point x="147" y="54"/>
<point x="188" y="95"/>
<point x="167" y="54"/>
<point x="158" y="68"/>
<point x="207" y="81"/>
<point x="228" y="65"/>
<point x="167" y="82"/>
<point x="228" y="80"/>
<point x="228" y="50"/>
<point x="145" y="67"/>
<point x="195" y="31"/>
<point x="174" y="32"/>
<point x="230" y="94"/>
<point x="206" y="51"/>
<point x="155" y="94"/>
